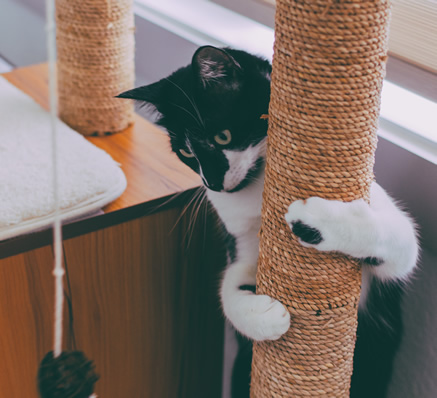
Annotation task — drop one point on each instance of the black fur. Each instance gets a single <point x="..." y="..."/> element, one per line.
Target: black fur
<point x="196" y="103"/>
<point x="197" y="106"/>
<point x="240" y="387"/>
<point x="379" y="336"/>
<point x="249" y="288"/>
<point x="373" y="261"/>
<point x="306" y="233"/>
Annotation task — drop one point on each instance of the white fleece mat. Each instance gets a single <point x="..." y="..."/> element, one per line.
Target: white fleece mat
<point x="89" y="177"/>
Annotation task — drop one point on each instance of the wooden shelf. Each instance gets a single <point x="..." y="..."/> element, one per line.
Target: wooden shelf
<point x="141" y="280"/>
<point x="154" y="174"/>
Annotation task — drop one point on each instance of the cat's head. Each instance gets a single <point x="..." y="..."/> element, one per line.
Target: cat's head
<point x="213" y="111"/>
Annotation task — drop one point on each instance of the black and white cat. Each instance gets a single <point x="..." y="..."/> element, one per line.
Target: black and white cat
<point x="212" y="112"/>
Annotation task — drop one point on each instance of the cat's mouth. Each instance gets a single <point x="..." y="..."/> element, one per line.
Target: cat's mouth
<point x="251" y="176"/>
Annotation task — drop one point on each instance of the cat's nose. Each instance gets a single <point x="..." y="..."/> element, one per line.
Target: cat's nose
<point x="214" y="186"/>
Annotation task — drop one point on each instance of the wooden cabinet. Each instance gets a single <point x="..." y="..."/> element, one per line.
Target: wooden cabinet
<point x="142" y="293"/>
<point x="144" y="307"/>
<point x="26" y="307"/>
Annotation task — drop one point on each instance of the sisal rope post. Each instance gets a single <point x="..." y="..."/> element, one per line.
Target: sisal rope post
<point x="95" y="51"/>
<point x="328" y="65"/>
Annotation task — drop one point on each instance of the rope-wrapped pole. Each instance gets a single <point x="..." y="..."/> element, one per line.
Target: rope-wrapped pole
<point x="328" y="65"/>
<point x="95" y="51"/>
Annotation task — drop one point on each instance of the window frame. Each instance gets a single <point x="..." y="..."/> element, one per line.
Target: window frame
<point x="213" y="25"/>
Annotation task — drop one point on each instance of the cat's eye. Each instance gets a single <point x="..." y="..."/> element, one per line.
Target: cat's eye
<point x="223" y="138"/>
<point x="186" y="153"/>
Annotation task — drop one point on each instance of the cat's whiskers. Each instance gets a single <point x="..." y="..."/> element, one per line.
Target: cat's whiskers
<point x="187" y="111"/>
<point x="198" y="192"/>
<point x="167" y="201"/>
<point x="196" y="208"/>
<point x="256" y="179"/>
<point x="193" y="104"/>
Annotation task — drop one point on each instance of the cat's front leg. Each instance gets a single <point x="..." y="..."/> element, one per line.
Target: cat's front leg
<point x="379" y="234"/>
<point x="258" y="317"/>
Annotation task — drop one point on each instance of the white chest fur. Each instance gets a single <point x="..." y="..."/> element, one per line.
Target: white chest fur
<point x="241" y="213"/>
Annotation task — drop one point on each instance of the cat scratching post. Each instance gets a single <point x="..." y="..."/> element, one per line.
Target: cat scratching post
<point x="328" y="66"/>
<point x="95" y="52"/>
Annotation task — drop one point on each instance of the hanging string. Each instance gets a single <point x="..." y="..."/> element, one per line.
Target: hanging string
<point x="58" y="271"/>
<point x="61" y="374"/>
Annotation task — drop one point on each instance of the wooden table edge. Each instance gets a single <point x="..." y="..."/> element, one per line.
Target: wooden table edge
<point x="33" y="80"/>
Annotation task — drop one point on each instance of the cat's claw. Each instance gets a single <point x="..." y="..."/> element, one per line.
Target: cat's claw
<point x="259" y="317"/>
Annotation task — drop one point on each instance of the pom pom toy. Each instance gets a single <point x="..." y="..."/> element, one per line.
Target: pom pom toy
<point x="70" y="375"/>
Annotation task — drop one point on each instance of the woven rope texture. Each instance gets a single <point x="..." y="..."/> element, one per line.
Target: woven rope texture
<point x="328" y="65"/>
<point x="95" y="51"/>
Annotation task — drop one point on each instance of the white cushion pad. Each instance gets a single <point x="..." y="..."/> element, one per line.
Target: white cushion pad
<point x="89" y="177"/>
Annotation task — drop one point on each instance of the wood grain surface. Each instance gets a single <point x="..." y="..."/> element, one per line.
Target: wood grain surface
<point x="143" y="287"/>
<point x="145" y="308"/>
<point x="26" y="307"/>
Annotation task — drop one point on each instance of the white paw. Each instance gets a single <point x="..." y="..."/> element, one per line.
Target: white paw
<point x="329" y="225"/>
<point x="258" y="317"/>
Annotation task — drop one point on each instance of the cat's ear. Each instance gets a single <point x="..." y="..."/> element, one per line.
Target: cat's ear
<point x="153" y="94"/>
<point x="215" y="69"/>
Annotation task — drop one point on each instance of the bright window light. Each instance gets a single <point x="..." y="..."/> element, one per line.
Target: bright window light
<point x="403" y="114"/>
<point x="409" y="110"/>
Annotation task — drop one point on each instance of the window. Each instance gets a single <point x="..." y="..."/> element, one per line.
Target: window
<point x="413" y="32"/>
<point x="248" y="24"/>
